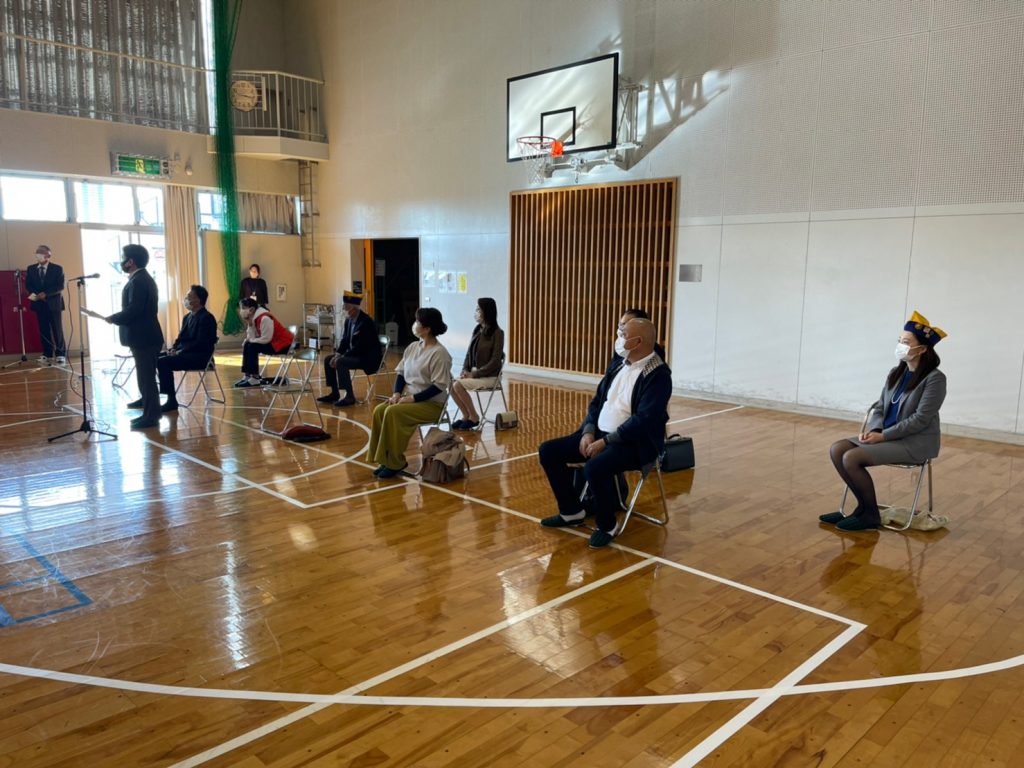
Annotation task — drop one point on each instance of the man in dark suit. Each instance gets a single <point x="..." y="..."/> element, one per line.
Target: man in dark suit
<point x="192" y="349"/>
<point x="358" y="349"/>
<point x="45" y="284"/>
<point x="139" y="330"/>
<point x="628" y="315"/>
<point x="623" y="430"/>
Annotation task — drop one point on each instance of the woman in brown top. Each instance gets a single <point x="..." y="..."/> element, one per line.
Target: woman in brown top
<point x="482" y="365"/>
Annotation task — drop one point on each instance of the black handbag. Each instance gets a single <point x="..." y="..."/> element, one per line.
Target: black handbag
<point x="678" y="454"/>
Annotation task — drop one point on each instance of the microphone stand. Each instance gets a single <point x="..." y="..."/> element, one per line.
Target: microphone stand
<point x="86" y="425"/>
<point x="20" y="309"/>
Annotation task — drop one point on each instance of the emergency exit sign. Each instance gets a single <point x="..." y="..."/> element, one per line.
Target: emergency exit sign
<point x="140" y="166"/>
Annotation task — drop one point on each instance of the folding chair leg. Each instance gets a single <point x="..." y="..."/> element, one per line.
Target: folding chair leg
<point x="220" y="388"/>
<point x="917" y="497"/>
<point x="661" y="522"/>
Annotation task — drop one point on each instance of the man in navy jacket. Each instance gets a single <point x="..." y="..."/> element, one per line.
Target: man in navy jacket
<point x="45" y="282"/>
<point x="624" y="429"/>
<point x="358" y="349"/>
<point x="192" y="349"/>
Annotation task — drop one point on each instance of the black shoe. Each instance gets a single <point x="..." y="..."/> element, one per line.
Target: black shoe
<point x="329" y="398"/>
<point x="379" y="469"/>
<point x="558" y="521"/>
<point x="858" y="524"/>
<point x="136" y="404"/>
<point x="345" y="402"/>
<point x="385" y="472"/>
<point x="465" y="424"/>
<point x="599" y="539"/>
<point x="170" y="405"/>
<point x="831" y="517"/>
<point x="141" y="423"/>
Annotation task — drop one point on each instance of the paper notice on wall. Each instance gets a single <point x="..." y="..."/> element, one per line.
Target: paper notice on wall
<point x="429" y="278"/>
<point x="442" y="281"/>
<point x="462" y="282"/>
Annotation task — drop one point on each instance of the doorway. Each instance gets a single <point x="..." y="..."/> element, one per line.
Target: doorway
<point x="101" y="253"/>
<point x="395" y="285"/>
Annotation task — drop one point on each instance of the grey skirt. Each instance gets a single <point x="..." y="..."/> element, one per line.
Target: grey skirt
<point x="888" y="452"/>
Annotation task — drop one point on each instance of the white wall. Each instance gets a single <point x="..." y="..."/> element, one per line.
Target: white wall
<point x="841" y="163"/>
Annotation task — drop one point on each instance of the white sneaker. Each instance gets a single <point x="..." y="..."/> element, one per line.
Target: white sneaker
<point x="44" y="360"/>
<point x="61" y="360"/>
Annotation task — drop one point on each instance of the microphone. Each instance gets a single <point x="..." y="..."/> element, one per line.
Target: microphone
<point x="87" y="277"/>
<point x="17" y="274"/>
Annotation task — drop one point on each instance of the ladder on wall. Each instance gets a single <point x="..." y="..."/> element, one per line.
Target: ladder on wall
<point x="309" y="217"/>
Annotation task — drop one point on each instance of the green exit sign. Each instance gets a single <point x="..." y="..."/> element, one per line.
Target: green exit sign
<point x="140" y="166"/>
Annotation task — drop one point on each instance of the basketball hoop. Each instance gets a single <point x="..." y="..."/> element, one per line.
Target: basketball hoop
<point x="535" y="151"/>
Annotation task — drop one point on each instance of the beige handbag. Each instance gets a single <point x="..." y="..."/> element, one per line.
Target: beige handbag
<point x="506" y="420"/>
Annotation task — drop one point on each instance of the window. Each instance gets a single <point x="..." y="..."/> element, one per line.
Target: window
<point x="211" y="210"/>
<point x="151" y="206"/>
<point x="97" y="203"/>
<point x="31" y="199"/>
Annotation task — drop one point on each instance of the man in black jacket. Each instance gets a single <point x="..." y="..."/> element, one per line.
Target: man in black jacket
<point x="624" y="429"/>
<point x="358" y="349"/>
<point x="192" y="349"/>
<point x="139" y="330"/>
<point x="45" y="284"/>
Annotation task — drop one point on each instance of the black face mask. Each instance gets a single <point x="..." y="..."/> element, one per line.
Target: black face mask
<point x="124" y="266"/>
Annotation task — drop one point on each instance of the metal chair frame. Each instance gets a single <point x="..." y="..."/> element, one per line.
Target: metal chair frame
<point x="921" y="467"/>
<point x="210" y="368"/>
<point x="630" y="508"/>
<point x="123" y="360"/>
<point x="293" y="389"/>
<point x="371" y="378"/>
<point x="281" y="357"/>
<point x="498" y="387"/>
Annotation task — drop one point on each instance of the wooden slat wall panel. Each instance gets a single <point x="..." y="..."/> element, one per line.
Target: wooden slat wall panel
<point x="579" y="257"/>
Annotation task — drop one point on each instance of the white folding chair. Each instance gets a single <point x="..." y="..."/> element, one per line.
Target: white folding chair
<point x="482" y="408"/>
<point x="210" y="368"/>
<point x="371" y="378"/>
<point x="629" y="507"/>
<point x="282" y="358"/>
<point x="923" y="466"/>
<point x="125" y="369"/>
<point x="306" y="361"/>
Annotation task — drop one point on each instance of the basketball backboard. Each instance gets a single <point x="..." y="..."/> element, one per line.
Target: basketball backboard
<point x="576" y="103"/>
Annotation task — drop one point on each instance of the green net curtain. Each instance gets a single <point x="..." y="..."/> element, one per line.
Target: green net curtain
<point x="225" y="25"/>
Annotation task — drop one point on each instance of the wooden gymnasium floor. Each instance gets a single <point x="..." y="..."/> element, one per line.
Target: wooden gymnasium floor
<point x="197" y="595"/>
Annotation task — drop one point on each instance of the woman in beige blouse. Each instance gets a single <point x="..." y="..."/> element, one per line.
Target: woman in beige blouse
<point x="422" y="381"/>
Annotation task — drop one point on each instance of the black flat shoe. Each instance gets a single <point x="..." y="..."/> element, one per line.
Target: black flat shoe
<point x="170" y="405"/>
<point x="344" y="402"/>
<point x="328" y="398"/>
<point x="136" y="404"/>
<point x="145" y="423"/>
<point x="858" y="524"/>
<point x="557" y="521"/>
<point x="831" y="517"/>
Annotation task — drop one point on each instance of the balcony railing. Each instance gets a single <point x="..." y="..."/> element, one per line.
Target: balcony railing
<point x="286" y="106"/>
<point x="67" y="79"/>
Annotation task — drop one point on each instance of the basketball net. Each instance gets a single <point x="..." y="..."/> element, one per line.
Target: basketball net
<point x="535" y="151"/>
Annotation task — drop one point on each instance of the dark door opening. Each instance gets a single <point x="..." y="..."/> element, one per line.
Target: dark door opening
<point x="396" y="286"/>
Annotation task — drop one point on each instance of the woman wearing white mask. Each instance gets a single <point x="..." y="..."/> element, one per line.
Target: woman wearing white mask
<point x="422" y="380"/>
<point x="902" y="428"/>
<point x="483" y="361"/>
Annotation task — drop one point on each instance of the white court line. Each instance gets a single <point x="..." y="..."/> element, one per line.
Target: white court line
<point x="677" y="421"/>
<point x="34" y="421"/>
<point x="108" y="504"/>
<point x="239" y="478"/>
<point x="268" y="728"/>
<point x="702" y="415"/>
<point x="319" y="701"/>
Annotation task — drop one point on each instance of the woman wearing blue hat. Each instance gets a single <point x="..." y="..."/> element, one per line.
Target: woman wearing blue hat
<point x="902" y="427"/>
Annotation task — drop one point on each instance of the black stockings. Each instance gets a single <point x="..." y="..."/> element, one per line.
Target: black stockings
<point x="851" y="462"/>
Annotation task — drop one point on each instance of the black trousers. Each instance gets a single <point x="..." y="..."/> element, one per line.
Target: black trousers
<point x="51" y="330"/>
<point x="145" y="377"/>
<point x="166" y="365"/>
<point x="341" y="377"/>
<point x="251" y="357"/>
<point x="599" y="472"/>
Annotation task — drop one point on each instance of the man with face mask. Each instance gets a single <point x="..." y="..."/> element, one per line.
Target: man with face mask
<point x="358" y="349"/>
<point x="45" y="284"/>
<point x="139" y="330"/>
<point x="623" y="430"/>
<point x="192" y="349"/>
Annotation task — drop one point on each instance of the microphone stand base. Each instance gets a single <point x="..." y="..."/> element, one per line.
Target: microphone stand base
<point x="22" y="361"/>
<point x="86" y="427"/>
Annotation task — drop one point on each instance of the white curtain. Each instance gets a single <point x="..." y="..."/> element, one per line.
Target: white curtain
<point x="138" y="61"/>
<point x="266" y="213"/>
<point x="181" y="237"/>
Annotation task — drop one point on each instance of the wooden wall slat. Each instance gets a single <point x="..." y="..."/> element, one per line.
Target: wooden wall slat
<point x="579" y="257"/>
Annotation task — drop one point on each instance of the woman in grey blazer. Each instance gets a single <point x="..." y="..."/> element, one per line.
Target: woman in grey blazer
<point x="902" y="427"/>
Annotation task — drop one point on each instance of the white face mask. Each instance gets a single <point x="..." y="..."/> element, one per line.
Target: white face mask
<point x="41" y="258"/>
<point x="902" y="352"/>
<point x="417" y="329"/>
<point x="187" y="303"/>
<point x="620" y="347"/>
